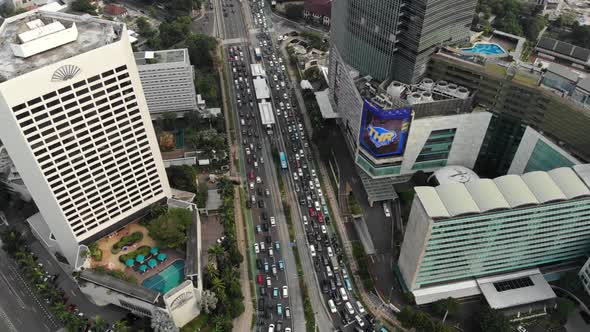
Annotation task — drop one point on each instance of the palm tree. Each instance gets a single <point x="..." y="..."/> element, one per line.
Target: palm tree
<point x="215" y="251"/>
<point x="121" y="326"/>
<point x="218" y="285"/>
<point x="100" y="325"/>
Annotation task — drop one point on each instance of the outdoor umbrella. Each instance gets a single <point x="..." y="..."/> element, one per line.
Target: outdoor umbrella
<point x="143" y="268"/>
<point x="152" y="263"/>
<point x="154" y="250"/>
<point x="130" y="262"/>
<point x="140" y="258"/>
<point x="161" y="257"/>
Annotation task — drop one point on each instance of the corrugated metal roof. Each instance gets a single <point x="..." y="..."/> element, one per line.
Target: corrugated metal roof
<point x="569" y="183"/>
<point x="515" y="190"/>
<point x="457" y="199"/>
<point x="543" y="187"/>
<point x="505" y="192"/>
<point x="486" y="195"/>
<point x="431" y="201"/>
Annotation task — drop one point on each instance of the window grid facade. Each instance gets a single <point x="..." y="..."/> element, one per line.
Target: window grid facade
<point x="501" y="241"/>
<point x="89" y="141"/>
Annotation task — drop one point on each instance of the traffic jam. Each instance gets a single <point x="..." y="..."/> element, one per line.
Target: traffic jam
<point x="273" y="292"/>
<point x="296" y="161"/>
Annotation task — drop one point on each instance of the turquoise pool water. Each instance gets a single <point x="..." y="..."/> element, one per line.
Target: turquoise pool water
<point x="485" y="48"/>
<point x="167" y="279"/>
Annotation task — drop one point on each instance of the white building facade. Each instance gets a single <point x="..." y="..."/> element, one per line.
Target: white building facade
<point x="167" y="78"/>
<point x="74" y="121"/>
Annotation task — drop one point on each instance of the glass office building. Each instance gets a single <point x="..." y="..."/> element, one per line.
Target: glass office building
<point x="458" y="231"/>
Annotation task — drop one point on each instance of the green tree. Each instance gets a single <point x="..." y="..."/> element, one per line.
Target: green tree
<point x="169" y="229"/>
<point x="449" y="304"/>
<point x="12" y="241"/>
<point x="494" y="321"/>
<point x="215" y="251"/>
<point x="100" y="325"/>
<point x="201" y="50"/>
<point x="182" y="177"/>
<point x="173" y="32"/>
<point x="121" y="326"/>
<point x="534" y="26"/>
<point x="83" y="6"/>
<point x="294" y="11"/>
<point x="144" y="27"/>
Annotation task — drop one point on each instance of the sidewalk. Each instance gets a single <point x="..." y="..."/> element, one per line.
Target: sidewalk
<point x="244" y="321"/>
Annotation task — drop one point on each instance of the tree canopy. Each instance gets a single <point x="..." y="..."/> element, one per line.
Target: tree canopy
<point x="169" y="229"/>
<point x="494" y="321"/>
<point x="83" y="6"/>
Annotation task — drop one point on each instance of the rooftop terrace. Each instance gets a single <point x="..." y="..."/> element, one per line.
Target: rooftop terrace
<point x="59" y="36"/>
<point x="157" y="57"/>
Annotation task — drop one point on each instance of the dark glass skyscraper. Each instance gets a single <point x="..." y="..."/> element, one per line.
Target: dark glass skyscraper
<point x="393" y="39"/>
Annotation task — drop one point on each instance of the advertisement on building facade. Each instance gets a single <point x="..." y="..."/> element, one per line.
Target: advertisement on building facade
<point x="384" y="132"/>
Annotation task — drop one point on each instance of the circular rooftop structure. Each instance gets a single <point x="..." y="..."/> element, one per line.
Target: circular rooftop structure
<point x="453" y="174"/>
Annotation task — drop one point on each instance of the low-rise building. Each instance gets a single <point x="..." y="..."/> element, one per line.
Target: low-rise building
<point x="318" y="10"/>
<point x="167" y="78"/>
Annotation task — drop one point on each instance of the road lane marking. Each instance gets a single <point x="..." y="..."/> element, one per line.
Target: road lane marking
<point x="13" y="291"/>
<point x="7" y="320"/>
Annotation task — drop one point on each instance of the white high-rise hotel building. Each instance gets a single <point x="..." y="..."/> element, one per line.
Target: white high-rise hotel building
<point x="74" y="120"/>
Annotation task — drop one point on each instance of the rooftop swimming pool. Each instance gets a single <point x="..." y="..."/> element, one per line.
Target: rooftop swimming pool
<point x="485" y="49"/>
<point x="166" y="279"/>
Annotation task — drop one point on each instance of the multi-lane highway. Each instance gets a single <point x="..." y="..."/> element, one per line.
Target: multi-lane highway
<point x="329" y="287"/>
<point x="316" y="238"/>
<point x="277" y="288"/>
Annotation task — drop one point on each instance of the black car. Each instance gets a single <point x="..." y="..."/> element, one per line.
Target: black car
<point x="259" y="263"/>
<point x="262" y="291"/>
<point x="264" y="215"/>
<point x="325" y="287"/>
<point x="268" y="239"/>
<point x="261" y="204"/>
<point x="261" y="304"/>
<point x="259" y="191"/>
<point x="265" y="226"/>
<point x="248" y="205"/>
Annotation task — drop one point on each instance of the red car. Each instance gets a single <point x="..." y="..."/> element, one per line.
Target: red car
<point x="251" y="175"/>
<point x="320" y="217"/>
<point x="312" y="212"/>
<point x="260" y="279"/>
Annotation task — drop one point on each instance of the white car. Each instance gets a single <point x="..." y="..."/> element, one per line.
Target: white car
<point x="270" y="252"/>
<point x="285" y="292"/>
<point x="295" y="177"/>
<point x="349" y="308"/>
<point x="343" y="294"/>
<point x="317" y="206"/>
<point x="262" y="248"/>
<point x="256" y="248"/>
<point x="329" y="272"/>
<point x="332" y="306"/>
<point x="268" y="282"/>
<point x="305" y="220"/>
<point x="273" y="222"/>
<point x="312" y="250"/>
<point x="359" y="320"/>
<point x="251" y="185"/>
<point x="386" y="209"/>
<point x="258" y="180"/>
<point x="324" y="231"/>
<point x="330" y="251"/>
<point x="313" y="173"/>
<point x="297" y="154"/>
<point x="300" y="172"/>
<point x="311" y="186"/>
<point x="360" y="307"/>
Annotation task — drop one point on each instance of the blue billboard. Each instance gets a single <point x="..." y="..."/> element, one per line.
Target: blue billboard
<point x="384" y="132"/>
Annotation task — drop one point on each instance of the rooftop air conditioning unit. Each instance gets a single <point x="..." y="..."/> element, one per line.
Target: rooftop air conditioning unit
<point x="395" y="89"/>
<point x="415" y="98"/>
